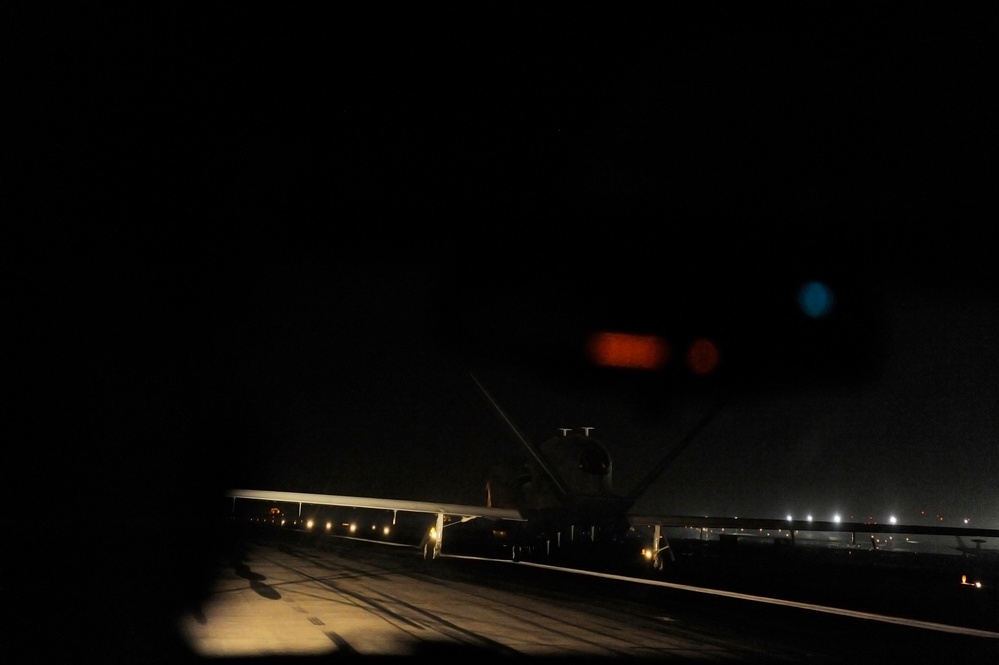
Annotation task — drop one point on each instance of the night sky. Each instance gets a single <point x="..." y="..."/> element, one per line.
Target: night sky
<point x="267" y="251"/>
<point x="253" y="248"/>
<point x="382" y="403"/>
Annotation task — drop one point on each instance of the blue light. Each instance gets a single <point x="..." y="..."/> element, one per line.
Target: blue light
<point x="815" y="299"/>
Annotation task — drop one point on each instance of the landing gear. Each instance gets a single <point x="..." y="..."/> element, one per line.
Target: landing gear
<point x="431" y="548"/>
<point x="661" y="545"/>
<point x="433" y="540"/>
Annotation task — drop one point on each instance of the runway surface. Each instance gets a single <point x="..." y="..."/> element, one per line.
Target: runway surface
<point x="286" y="597"/>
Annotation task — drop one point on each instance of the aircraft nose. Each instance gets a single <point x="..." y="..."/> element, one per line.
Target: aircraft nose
<point x="594" y="459"/>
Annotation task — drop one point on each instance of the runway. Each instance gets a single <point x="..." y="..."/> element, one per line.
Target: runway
<point x="288" y="598"/>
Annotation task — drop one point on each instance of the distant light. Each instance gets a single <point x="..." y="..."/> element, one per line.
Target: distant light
<point x="788" y="518"/>
<point x="815" y="299"/>
<point x="625" y="350"/>
<point x="836" y="518"/>
<point x="809" y="518"/>
<point x="329" y="526"/>
<point x="891" y="519"/>
<point x="965" y="582"/>
<point x="703" y="356"/>
<point x="385" y="531"/>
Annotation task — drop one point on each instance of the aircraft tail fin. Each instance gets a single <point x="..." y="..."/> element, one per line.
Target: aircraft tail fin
<point x="675" y="452"/>
<point x="558" y="482"/>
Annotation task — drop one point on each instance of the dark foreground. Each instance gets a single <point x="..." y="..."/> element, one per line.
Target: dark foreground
<point x="942" y="588"/>
<point x="950" y="589"/>
<point x="860" y="604"/>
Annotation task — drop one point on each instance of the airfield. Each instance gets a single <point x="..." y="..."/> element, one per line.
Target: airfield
<point x="289" y="594"/>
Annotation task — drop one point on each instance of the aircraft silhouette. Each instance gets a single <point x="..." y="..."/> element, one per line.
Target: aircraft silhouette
<point x="564" y="492"/>
<point x="977" y="552"/>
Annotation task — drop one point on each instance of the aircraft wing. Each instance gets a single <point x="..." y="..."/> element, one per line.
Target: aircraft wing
<point x="431" y="507"/>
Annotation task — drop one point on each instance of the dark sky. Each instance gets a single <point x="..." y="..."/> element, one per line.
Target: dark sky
<point x="264" y="247"/>
<point x="267" y="250"/>
<point x="355" y="387"/>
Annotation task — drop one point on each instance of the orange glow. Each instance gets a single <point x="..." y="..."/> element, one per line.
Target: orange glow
<point x="703" y="356"/>
<point x="626" y="350"/>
